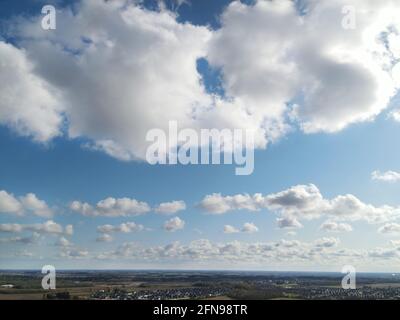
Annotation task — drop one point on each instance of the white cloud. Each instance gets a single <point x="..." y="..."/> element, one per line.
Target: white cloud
<point x="174" y="224"/>
<point x="218" y="204"/>
<point x="24" y="240"/>
<point x="230" y="229"/>
<point x="127" y="227"/>
<point x="396" y="114"/>
<point x="388" y="176"/>
<point x="113" y="53"/>
<point x="69" y="230"/>
<point x="120" y="63"/>
<point x="327" y="242"/>
<point x="249" y="227"/>
<point x="384" y="253"/>
<point x="288" y="223"/>
<point x="48" y="227"/>
<point x="395" y="243"/>
<point x="74" y="253"/>
<point x="104" y="238"/>
<point x="37" y="206"/>
<point x="170" y="207"/>
<point x="111" y="207"/>
<point x="301" y="202"/>
<point x="28" y="203"/>
<point x="333" y="226"/>
<point x="24" y="253"/>
<point x="11" y="227"/>
<point x="390" y="228"/>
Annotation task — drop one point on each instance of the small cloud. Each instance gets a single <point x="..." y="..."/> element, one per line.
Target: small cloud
<point x="388" y="176"/>
<point x="390" y="228"/>
<point x="63" y="242"/>
<point x="332" y="226"/>
<point x="249" y="227"/>
<point x="327" y="242"/>
<point x="174" y="224"/>
<point x="170" y="207"/>
<point x="104" y="238"/>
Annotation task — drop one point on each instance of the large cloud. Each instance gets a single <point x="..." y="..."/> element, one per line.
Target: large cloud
<point x="336" y="76"/>
<point x="388" y="176"/>
<point x="248" y="227"/>
<point x="333" y="226"/>
<point x="174" y="224"/>
<point x="122" y="70"/>
<point x="117" y="70"/>
<point x="28" y="104"/>
<point x="390" y="228"/>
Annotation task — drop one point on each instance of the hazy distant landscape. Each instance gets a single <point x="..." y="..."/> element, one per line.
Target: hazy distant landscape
<point x="171" y="285"/>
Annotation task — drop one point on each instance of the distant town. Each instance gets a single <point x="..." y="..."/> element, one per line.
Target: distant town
<point x="174" y="285"/>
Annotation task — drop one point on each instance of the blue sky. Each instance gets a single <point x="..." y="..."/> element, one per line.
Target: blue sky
<point x="62" y="170"/>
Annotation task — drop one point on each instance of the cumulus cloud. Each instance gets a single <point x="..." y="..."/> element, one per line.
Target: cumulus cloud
<point x="288" y="223"/>
<point x="218" y="204"/>
<point x="63" y="242"/>
<point x="384" y="253"/>
<point x="111" y="207"/>
<point x="28" y="104"/>
<point x="390" y="228"/>
<point x="230" y="229"/>
<point x="37" y="206"/>
<point x="248" y="227"/>
<point x="174" y="224"/>
<point x="74" y="253"/>
<point x="104" y="238"/>
<point x="327" y="242"/>
<point x="28" y="203"/>
<point x="301" y="202"/>
<point x="170" y="207"/>
<point x="48" y="227"/>
<point x="69" y="230"/>
<point x="341" y="76"/>
<point x="112" y="53"/>
<point x="127" y="227"/>
<point x="388" y="176"/>
<point x="8" y="203"/>
<point x="333" y="226"/>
